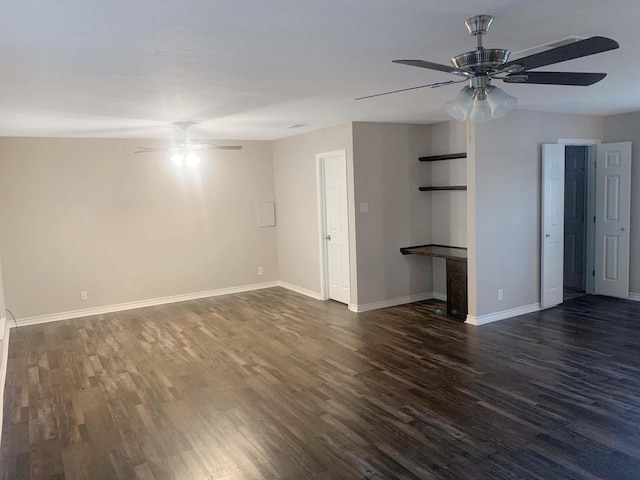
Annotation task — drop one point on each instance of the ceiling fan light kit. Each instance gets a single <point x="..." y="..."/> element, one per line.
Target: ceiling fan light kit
<point x="500" y="102"/>
<point x="480" y="104"/>
<point x="458" y="108"/>
<point x="480" y="101"/>
<point x="184" y="149"/>
<point x="186" y="158"/>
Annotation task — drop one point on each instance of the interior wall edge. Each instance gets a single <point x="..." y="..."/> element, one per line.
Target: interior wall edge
<point x="440" y="296"/>
<point x="3" y="371"/>
<point x="300" y="290"/>
<point x="393" y="302"/>
<point x="503" y="315"/>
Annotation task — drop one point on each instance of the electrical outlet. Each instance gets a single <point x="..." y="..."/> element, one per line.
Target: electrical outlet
<point x="500" y="294"/>
<point x="83" y="296"/>
<point x="260" y="271"/>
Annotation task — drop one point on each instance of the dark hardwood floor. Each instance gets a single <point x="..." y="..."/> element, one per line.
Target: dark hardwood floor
<point x="273" y="385"/>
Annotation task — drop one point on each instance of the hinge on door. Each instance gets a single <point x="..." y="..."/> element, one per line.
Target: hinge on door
<point x="593" y="273"/>
<point x="594" y="219"/>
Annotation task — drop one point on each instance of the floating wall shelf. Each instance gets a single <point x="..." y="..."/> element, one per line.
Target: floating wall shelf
<point x="440" y="189"/>
<point x="449" y="156"/>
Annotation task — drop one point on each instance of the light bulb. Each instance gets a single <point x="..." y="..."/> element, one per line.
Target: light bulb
<point x="480" y="111"/>
<point x="459" y="106"/>
<point x="499" y="101"/>
<point x="187" y="158"/>
<point x="192" y="159"/>
<point x="178" y="159"/>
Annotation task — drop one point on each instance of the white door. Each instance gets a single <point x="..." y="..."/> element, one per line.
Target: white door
<point x="336" y="225"/>
<point x="613" y="210"/>
<point x="552" y="242"/>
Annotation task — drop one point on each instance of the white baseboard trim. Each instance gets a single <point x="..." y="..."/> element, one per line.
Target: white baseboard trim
<point x="3" y="370"/>
<point x="365" y="307"/>
<point x="142" y="303"/>
<point x="3" y="323"/>
<point x="634" y="296"/>
<point x="300" y="290"/>
<point x="494" y="317"/>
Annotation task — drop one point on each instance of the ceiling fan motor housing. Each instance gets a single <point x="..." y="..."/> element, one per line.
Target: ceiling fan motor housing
<point x="482" y="60"/>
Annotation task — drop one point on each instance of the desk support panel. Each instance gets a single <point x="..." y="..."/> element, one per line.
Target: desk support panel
<point x="457" y="289"/>
<point x="456" y="257"/>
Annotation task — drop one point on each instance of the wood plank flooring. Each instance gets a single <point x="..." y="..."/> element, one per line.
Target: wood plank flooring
<point x="273" y="385"/>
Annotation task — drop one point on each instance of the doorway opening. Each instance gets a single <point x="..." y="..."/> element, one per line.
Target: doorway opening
<point x="576" y="232"/>
<point x="591" y="207"/>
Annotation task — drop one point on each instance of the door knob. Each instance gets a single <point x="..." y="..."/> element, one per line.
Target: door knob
<point x="548" y="235"/>
<point x="328" y="237"/>
<point x="622" y="229"/>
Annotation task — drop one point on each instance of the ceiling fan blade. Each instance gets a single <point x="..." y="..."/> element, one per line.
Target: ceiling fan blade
<point x="185" y="145"/>
<point x="211" y="146"/>
<point x="555" y="78"/>
<point x="201" y="146"/>
<point x="432" y="85"/>
<point x="429" y="65"/>
<point x="150" y="149"/>
<point x="581" y="48"/>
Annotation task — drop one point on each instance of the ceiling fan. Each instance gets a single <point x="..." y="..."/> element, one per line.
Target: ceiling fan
<point x="184" y="149"/>
<point x="480" y="100"/>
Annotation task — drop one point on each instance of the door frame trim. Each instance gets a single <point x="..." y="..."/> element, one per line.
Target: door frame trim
<point x="322" y="221"/>
<point x="590" y="208"/>
<point x="591" y="145"/>
<point x="590" y="194"/>
<point x="579" y="142"/>
<point x="590" y="191"/>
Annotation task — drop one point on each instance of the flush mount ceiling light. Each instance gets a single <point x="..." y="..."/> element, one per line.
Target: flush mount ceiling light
<point x="481" y="101"/>
<point x="184" y="150"/>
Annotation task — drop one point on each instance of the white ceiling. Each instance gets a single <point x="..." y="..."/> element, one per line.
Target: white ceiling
<point x="247" y="68"/>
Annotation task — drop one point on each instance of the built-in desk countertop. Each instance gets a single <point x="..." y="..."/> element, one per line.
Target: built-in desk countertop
<point x="456" y="274"/>
<point x="442" y="251"/>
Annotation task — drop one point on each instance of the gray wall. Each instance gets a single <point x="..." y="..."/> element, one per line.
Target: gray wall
<point x="88" y="214"/>
<point x="387" y="175"/>
<point x="448" y="209"/>
<point x="383" y="171"/>
<point x="504" y="203"/>
<point x="623" y="128"/>
<point x="297" y="203"/>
